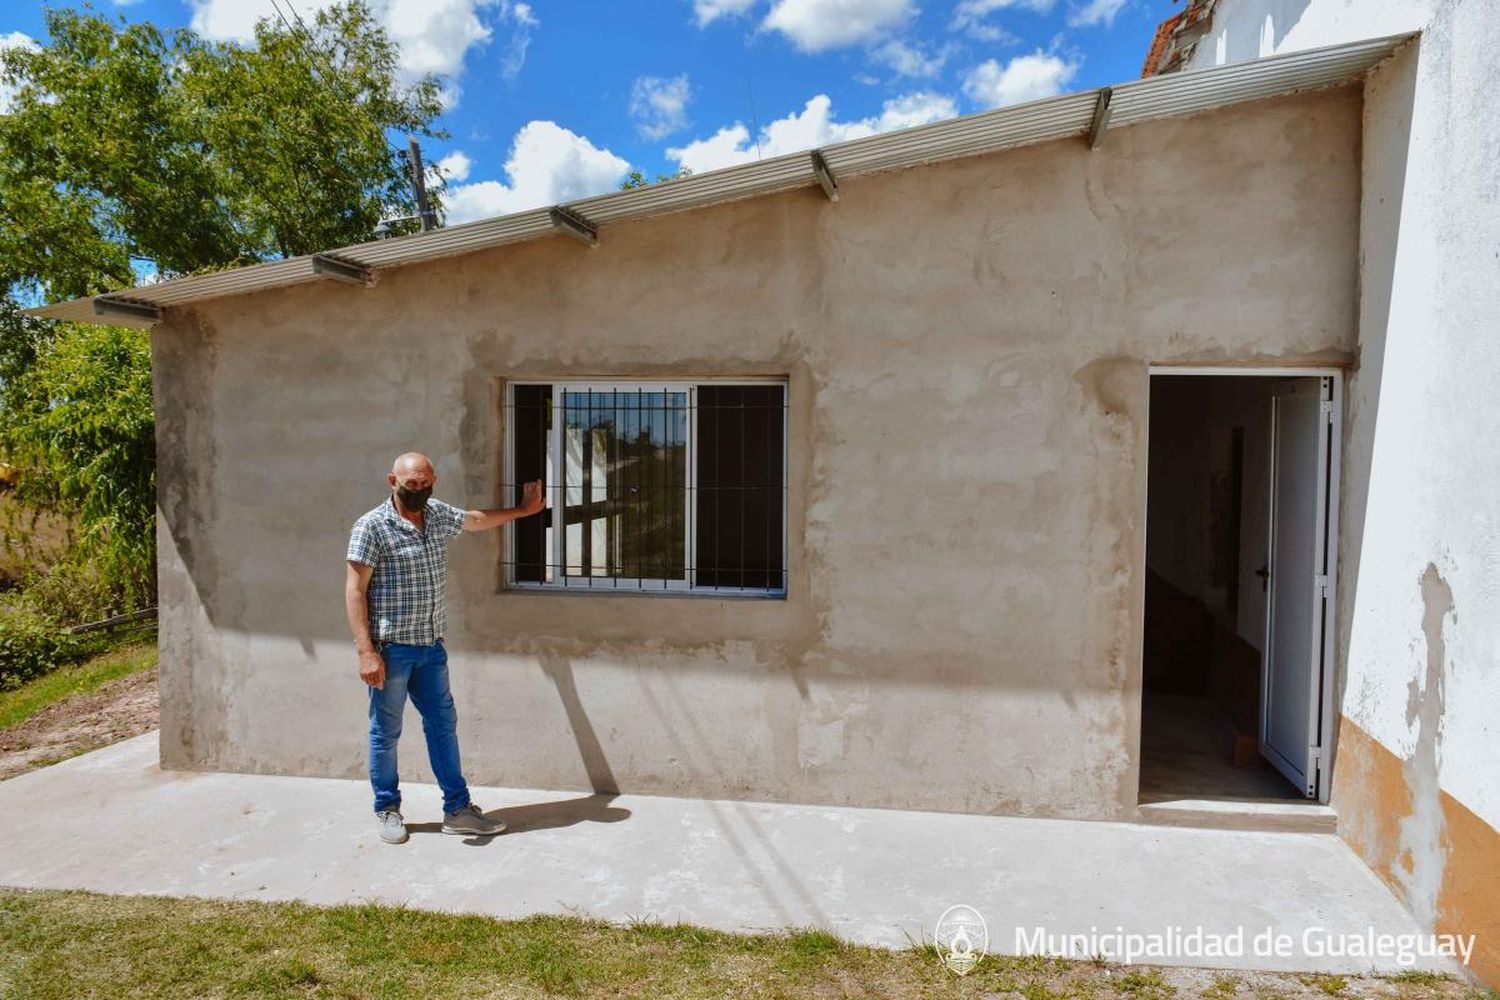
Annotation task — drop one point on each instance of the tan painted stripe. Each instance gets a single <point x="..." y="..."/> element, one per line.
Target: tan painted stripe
<point x="1371" y="794"/>
<point x="1470" y="900"/>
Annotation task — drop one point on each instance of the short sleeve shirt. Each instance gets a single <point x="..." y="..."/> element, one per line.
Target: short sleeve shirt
<point x="409" y="582"/>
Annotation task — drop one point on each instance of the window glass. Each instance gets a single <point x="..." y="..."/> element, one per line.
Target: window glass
<point x="740" y="486"/>
<point x="666" y="486"/>
<point x="625" y="484"/>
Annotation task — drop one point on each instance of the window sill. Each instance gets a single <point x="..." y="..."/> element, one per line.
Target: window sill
<point x="698" y="594"/>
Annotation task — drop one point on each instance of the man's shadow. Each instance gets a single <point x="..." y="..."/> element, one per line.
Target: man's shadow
<point x="543" y="816"/>
<point x="594" y="808"/>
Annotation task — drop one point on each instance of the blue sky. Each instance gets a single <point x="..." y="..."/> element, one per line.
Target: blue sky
<point x="557" y="99"/>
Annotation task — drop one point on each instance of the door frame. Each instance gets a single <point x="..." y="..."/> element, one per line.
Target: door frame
<point x="1333" y="406"/>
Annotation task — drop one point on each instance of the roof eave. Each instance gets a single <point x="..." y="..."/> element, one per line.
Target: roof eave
<point x="1068" y="115"/>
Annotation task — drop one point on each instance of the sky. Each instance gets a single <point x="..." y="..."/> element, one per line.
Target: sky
<point x="552" y="100"/>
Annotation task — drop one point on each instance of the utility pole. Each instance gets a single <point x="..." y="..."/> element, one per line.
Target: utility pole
<point x="419" y="183"/>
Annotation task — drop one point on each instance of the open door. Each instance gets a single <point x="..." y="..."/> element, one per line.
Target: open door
<point x="1294" y="699"/>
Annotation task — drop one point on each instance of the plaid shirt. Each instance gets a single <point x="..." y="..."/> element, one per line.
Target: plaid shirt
<point x="405" y="596"/>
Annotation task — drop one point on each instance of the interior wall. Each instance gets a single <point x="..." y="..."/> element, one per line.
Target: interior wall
<point x="1204" y="630"/>
<point x="1191" y="420"/>
<point x="966" y="347"/>
<point x="1415" y="777"/>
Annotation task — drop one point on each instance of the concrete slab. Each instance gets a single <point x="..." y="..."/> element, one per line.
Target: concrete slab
<point x="113" y="821"/>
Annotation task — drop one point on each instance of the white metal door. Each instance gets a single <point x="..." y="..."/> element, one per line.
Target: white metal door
<point x="1299" y="594"/>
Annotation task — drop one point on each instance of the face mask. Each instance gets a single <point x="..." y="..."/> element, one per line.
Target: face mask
<point x="413" y="500"/>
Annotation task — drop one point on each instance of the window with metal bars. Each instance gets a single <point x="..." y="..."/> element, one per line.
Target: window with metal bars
<point x="654" y="487"/>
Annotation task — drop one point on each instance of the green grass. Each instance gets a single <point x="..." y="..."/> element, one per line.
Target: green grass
<point x="69" y="944"/>
<point x="1144" y="984"/>
<point x="1332" y="985"/>
<point x="80" y="678"/>
<point x="56" y="945"/>
<point x="1415" y="977"/>
<point x="1222" y="988"/>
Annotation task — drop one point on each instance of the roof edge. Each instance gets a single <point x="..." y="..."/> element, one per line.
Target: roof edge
<point x="1066" y="115"/>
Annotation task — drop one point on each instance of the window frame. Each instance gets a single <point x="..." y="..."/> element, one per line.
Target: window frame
<point x="635" y="586"/>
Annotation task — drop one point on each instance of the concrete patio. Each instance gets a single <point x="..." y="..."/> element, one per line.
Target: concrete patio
<point x="113" y="821"/>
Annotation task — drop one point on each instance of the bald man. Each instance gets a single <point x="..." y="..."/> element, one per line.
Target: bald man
<point x="393" y="595"/>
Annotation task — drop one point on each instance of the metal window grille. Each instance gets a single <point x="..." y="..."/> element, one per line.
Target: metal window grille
<point x="653" y="487"/>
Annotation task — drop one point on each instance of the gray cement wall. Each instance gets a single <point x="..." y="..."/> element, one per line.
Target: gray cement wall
<point x="967" y="349"/>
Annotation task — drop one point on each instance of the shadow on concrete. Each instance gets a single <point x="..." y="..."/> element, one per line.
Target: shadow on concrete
<point x="554" y="815"/>
<point x="543" y="816"/>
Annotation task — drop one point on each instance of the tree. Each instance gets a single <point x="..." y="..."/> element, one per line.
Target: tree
<point x="636" y="179"/>
<point x="76" y="419"/>
<point x="129" y="149"/>
<point x="128" y="146"/>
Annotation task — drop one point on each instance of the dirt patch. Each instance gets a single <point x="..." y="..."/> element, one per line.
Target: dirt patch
<point x="117" y="710"/>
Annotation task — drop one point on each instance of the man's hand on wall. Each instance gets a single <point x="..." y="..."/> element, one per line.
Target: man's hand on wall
<point x="532" y="499"/>
<point x="372" y="669"/>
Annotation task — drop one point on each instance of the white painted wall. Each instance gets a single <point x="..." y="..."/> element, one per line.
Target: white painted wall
<point x="1248" y="29"/>
<point x="1425" y="405"/>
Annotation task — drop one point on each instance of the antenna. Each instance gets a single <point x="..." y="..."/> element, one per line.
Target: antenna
<point x="754" y="121"/>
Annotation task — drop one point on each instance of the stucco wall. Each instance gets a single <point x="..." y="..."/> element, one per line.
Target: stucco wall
<point x="966" y="346"/>
<point x="1417" y="771"/>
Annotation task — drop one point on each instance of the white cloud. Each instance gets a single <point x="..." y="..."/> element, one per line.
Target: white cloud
<point x="548" y="164"/>
<point x="234" y="20"/>
<point x="1095" y="12"/>
<point x="983" y="8"/>
<point x="908" y="110"/>
<point x="659" y="106"/>
<point x="435" y="36"/>
<point x="992" y="33"/>
<point x="970" y="17"/>
<point x="13" y="40"/>
<point x="522" y="22"/>
<point x="455" y="166"/>
<point x="709" y="11"/>
<point x="915" y="60"/>
<point x="1024" y="78"/>
<point x="812" y="126"/>
<point x="815" y="25"/>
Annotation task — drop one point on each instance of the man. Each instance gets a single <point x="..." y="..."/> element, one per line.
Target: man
<point x="394" y="597"/>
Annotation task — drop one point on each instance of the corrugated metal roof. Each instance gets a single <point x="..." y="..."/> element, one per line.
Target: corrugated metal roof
<point x="1004" y="128"/>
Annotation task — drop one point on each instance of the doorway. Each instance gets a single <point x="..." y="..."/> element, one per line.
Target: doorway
<point x="1240" y="546"/>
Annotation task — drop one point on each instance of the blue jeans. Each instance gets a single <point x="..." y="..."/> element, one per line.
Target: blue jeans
<point x="422" y="672"/>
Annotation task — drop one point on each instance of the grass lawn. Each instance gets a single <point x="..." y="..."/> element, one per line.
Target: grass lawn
<point x="76" y="944"/>
<point x="80" y="678"/>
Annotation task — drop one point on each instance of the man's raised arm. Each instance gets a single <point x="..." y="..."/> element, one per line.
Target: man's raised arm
<point x="532" y="502"/>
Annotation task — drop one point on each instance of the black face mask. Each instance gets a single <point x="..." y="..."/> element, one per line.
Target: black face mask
<point x="413" y="500"/>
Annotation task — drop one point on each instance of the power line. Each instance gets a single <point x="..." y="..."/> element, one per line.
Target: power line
<point x="412" y="156"/>
<point x="303" y="39"/>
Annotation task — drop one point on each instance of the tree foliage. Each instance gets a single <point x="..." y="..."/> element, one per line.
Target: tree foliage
<point x="636" y="179"/>
<point x="127" y="144"/>
<point x="130" y="150"/>
<point x="76" y="419"/>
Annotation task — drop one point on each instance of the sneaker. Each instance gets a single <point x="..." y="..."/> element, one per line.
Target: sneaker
<point x="471" y="822"/>
<point x="392" y="827"/>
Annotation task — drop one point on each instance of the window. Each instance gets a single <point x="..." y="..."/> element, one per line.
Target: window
<point x="663" y="487"/>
